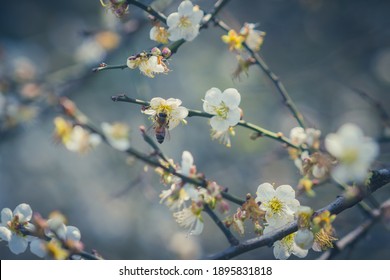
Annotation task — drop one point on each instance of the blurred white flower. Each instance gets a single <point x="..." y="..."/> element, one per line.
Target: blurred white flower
<point x="185" y="23"/>
<point x="171" y="107"/>
<point x="117" y="135"/>
<point x="287" y="246"/>
<point x="81" y="140"/>
<point x="253" y="38"/>
<point x="224" y="106"/>
<point x="354" y="151"/>
<point x="69" y="235"/>
<point x="12" y="226"/>
<point x="280" y="204"/>
<point x="308" y="136"/>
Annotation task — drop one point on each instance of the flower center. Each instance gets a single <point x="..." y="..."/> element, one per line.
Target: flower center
<point x="275" y="205"/>
<point x="222" y="110"/>
<point x="184" y="22"/>
<point x="15" y="226"/>
<point x="350" y="156"/>
<point x="164" y="108"/>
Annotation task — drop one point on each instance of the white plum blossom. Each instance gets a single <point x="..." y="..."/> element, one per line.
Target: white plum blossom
<point x="12" y="226"/>
<point x="190" y="218"/>
<point x="279" y="205"/>
<point x="117" y="135"/>
<point x="149" y="65"/>
<point x="81" y="140"/>
<point x="185" y="23"/>
<point x="287" y="246"/>
<point x="171" y="107"/>
<point x="152" y="66"/>
<point x="224" y="107"/>
<point x="354" y="153"/>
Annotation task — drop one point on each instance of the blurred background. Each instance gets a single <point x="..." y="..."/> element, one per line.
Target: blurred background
<point x="320" y="50"/>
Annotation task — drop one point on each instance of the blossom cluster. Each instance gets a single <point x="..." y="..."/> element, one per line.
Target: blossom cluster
<point x="150" y="63"/>
<point x="186" y="200"/>
<point x="47" y="238"/>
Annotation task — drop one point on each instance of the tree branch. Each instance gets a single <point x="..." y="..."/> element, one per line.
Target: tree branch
<point x="160" y="16"/>
<point x="229" y="236"/>
<point x="195" y="113"/>
<point x="379" y="178"/>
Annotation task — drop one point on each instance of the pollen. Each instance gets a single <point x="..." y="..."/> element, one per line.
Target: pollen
<point x="324" y="239"/>
<point x="275" y="205"/>
<point x="184" y="22"/>
<point x="222" y="111"/>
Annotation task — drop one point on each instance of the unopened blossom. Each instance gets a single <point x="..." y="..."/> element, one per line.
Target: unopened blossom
<point x="159" y="34"/>
<point x="12" y="227"/>
<point x="191" y="218"/>
<point x="253" y="38"/>
<point x="224" y="107"/>
<point x="117" y="135"/>
<point x="354" y="153"/>
<point x="82" y="140"/>
<point x="171" y="107"/>
<point x="285" y="247"/>
<point x="279" y="204"/>
<point x="233" y="40"/>
<point x="185" y="23"/>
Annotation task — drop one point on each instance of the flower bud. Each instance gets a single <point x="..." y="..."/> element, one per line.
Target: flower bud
<point x="166" y="52"/>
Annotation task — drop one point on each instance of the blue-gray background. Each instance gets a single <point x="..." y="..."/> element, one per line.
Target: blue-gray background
<point x="318" y="48"/>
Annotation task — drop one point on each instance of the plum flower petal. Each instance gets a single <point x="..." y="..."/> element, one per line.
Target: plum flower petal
<point x="185" y="23"/>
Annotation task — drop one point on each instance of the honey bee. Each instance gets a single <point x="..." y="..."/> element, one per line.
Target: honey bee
<point x="160" y="126"/>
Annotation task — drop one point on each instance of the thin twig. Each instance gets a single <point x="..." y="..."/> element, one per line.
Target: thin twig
<point x="226" y="231"/>
<point x="155" y="163"/>
<point x="109" y="67"/>
<point x="379" y="178"/>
